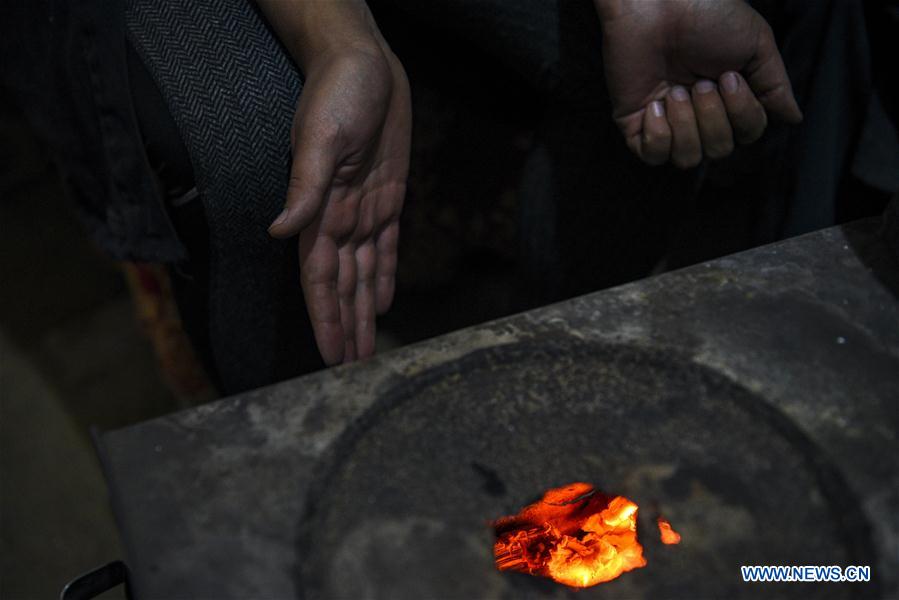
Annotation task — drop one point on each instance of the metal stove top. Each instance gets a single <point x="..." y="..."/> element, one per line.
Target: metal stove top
<point x="752" y="400"/>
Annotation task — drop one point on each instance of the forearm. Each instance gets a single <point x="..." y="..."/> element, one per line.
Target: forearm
<point x="311" y="28"/>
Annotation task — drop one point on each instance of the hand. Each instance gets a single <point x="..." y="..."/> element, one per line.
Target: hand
<point x="350" y="140"/>
<point x="654" y="50"/>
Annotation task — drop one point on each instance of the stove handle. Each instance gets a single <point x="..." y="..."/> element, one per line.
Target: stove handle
<point x="93" y="583"/>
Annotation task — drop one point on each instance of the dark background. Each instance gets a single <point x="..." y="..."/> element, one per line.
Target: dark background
<point x="72" y="354"/>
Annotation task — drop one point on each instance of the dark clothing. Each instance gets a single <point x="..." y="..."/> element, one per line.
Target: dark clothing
<point x="592" y="215"/>
<point x="232" y="91"/>
<point x="207" y="96"/>
<point x="64" y="62"/>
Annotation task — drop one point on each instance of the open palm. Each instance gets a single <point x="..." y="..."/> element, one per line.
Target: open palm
<point x="350" y="139"/>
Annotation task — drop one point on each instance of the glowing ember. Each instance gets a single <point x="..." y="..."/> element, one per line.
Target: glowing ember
<point x="575" y="535"/>
<point x="669" y="536"/>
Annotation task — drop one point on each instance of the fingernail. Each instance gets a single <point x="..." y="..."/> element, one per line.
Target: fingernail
<point x="679" y="93"/>
<point x="730" y="82"/>
<point x="657" y="109"/>
<point x="281" y="218"/>
<point x="704" y="86"/>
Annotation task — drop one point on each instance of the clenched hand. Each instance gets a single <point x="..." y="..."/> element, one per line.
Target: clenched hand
<point x="690" y="78"/>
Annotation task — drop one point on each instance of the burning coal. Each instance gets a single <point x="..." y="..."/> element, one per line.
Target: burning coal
<point x="669" y="536"/>
<point x="575" y="535"/>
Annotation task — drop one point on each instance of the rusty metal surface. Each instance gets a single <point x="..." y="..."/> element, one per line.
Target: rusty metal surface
<point x="212" y="502"/>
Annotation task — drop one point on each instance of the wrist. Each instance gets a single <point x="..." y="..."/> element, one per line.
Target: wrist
<point x="314" y="30"/>
<point x="610" y="11"/>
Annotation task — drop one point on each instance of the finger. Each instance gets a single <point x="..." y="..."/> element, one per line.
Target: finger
<point x="310" y="178"/>
<point x="346" y="293"/>
<point x="655" y="140"/>
<point x="747" y="117"/>
<point x="385" y="270"/>
<point x="711" y="119"/>
<point x="768" y="79"/>
<point x="631" y="127"/>
<point x="318" y="274"/>
<point x="686" y="150"/>
<point x="365" y="299"/>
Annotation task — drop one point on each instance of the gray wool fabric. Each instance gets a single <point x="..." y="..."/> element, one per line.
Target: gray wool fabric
<point x="232" y="91"/>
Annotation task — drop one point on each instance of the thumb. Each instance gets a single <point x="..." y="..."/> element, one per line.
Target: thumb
<point x="310" y="179"/>
<point x="631" y="127"/>
<point x="767" y="77"/>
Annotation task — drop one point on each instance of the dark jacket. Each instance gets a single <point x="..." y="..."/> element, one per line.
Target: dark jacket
<point x="64" y="64"/>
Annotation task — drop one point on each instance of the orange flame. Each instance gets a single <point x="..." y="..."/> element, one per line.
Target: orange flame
<point x="575" y="535"/>
<point x="669" y="536"/>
